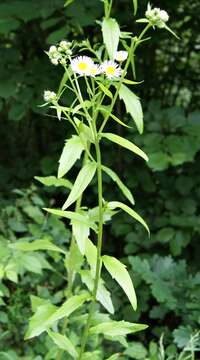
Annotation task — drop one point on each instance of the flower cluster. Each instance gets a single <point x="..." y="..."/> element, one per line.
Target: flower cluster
<point x="50" y="96"/>
<point x="59" y="54"/>
<point x="85" y="66"/>
<point x="156" y="16"/>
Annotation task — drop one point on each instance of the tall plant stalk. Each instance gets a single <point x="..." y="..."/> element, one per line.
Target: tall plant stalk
<point x="104" y="80"/>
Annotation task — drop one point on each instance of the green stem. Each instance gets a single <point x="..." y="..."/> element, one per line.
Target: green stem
<point x="99" y="248"/>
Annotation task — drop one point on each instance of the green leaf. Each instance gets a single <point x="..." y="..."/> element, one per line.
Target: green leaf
<point x="133" y="106"/>
<point x="103" y="295"/>
<point x="53" y="181"/>
<point x="117" y="328"/>
<point x="83" y="179"/>
<point x="46" y="315"/>
<point x="63" y="343"/>
<point x="39" y="321"/>
<point x="62" y="83"/>
<point x="91" y="256"/>
<point x="104" y="108"/>
<point x="68" y="2"/>
<point x="111" y="34"/>
<point x="159" y="161"/>
<point x="71" y="152"/>
<point x="125" y="143"/>
<point x="136" y="351"/>
<point x="81" y="232"/>
<point x="34" y="213"/>
<point x="85" y="132"/>
<point x="73" y="216"/>
<point x="37" y="301"/>
<point x="37" y="245"/>
<point x="118" y="272"/>
<point x="121" y="185"/>
<point x="116" y="204"/>
<point x="105" y="90"/>
<point x="114" y="356"/>
<point x="135" y="5"/>
<point x="74" y="259"/>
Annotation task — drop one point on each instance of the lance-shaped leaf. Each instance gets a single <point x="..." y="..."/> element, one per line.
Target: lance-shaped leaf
<point x="117" y="204"/>
<point x="81" y="232"/>
<point x="135" y="5"/>
<point x="53" y="181"/>
<point x="73" y="216"/>
<point x="121" y="185"/>
<point x="105" y="90"/>
<point x="37" y="245"/>
<point x="46" y="315"/>
<point x="125" y="143"/>
<point x="71" y="152"/>
<point x="63" y="343"/>
<point x="91" y="256"/>
<point x="133" y="106"/>
<point x="105" y="109"/>
<point x="111" y="34"/>
<point x="83" y="179"/>
<point x="118" y="272"/>
<point x="117" y="328"/>
<point x="103" y="295"/>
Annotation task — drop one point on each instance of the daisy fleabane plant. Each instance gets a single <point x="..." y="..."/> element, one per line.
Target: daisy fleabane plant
<point x="94" y="81"/>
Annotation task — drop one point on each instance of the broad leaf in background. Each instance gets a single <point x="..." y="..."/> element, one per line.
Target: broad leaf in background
<point x="83" y="179"/>
<point x="111" y="34"/>
<point x="117" y="328"/>
<point x="71" y="152"/>
<point x="133" y="106"/>
<point x="114" y="357"/>
<point x="121" y="185"/>
<point x="63" y="343"/>
<point x="118" y="272"/>
<point x="131" y="212"/>
<point x="125" y="143"/>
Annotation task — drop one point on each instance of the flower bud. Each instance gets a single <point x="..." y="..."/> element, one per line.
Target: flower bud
<point x="49" y="96"/>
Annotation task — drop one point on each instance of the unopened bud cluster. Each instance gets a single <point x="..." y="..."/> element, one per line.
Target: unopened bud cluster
<point x="156" y="16"/>
<point x="49" y="96"/>
<point x="59" y="54"/>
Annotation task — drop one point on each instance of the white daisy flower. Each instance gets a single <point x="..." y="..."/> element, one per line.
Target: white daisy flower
<point x="95" y="70"/>
<point x="49" y="96"/>
<point x="111" y="69"/>
<point x="82" y="65"/>
<point x="121" y="55"/>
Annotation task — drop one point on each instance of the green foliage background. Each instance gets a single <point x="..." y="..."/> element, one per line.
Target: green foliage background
<point x="165" y="268"/>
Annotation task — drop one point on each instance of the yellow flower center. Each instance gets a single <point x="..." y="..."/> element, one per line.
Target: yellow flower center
<point x="82" y="66"/>
<point x="110" y="70"/>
